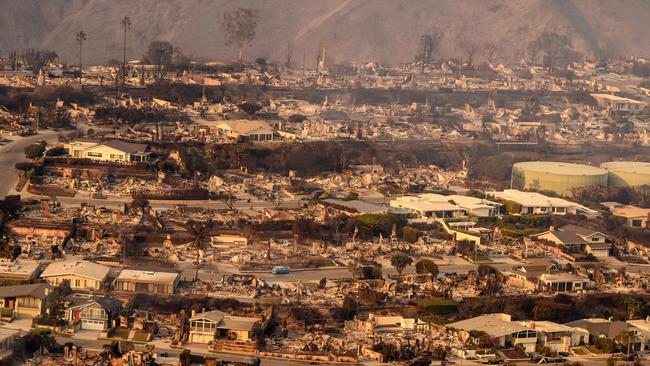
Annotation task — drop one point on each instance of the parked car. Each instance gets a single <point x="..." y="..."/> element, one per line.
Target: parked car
<point x="631" y="356"/>
<point x="420" y="361"/>
<point x="280" y="270"/>
<point x="493" y="361"/>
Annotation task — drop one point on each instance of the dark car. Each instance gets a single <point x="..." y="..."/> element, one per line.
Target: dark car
<point x="493" y="361"/>
<point x="631" y="356"/>
<point x="420" y="361"/>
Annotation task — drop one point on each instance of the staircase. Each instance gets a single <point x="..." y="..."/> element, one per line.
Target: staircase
<point x="223" y="345"/>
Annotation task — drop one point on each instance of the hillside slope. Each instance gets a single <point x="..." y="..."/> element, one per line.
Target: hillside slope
<point x="352" y="30"/>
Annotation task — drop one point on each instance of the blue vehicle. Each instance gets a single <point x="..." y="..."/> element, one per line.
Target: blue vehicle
<point x="280" y="270"/>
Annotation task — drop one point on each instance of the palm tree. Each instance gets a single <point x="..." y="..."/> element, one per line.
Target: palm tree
<point x="125" y="23"/>
<point x="199" y="231"/>
<point x="81" y="38"/>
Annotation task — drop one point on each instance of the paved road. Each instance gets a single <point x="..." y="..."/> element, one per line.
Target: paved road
<point x="13" y="153"/>
<point x="158" y="204"/>
<point x="98" y="345"/>
<point x="449" y="265"/>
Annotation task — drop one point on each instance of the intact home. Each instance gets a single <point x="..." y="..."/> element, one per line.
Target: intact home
<point x="94" y="312"/>
<point x="634" y="216"/>
<point x="113" y="150"/>
<point x="252" y="130"/>
<point x="428" y="207"/>
<point x="576" y="239"/>
<point x="505" y="332"/>
<point x="502" y="331"/>
<point x="527" y="276"/>
<point x="212" y="325"/>
<point x="613" y="103"/>
<point x="18" y="272"/>
<point x="151" y="282"/>
<point x="81" y="275"/>
<point x="600" y="328"/>
<point x="558" y="337"/>
<point x="24" y="301"/>
<point x="533" y="203"/>
<point x="562" y="282"/>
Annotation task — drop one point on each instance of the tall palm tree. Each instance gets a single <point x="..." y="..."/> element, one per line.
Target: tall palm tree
<point x="81" y="38"/>
<point x="125" y="23"/>
<point x="199" y="231"/>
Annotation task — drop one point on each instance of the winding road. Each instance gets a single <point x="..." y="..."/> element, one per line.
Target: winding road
<point x="13" y="153"/>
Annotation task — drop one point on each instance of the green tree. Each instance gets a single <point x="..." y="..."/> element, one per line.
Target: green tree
<point x="139" y="201"/>
<point x="34" y="151"/>
<point x="81" y="38"/>
<point x="400" y="261"/>
<point x="56" y="151"/>
<point x="633" y="307"/>
<point x="55" y="304"/>
<point x="606" y="345"/>
<point x="44" y="338"/>
<point x="427" y="266"/>
<point x="493" y="279"/>
<point x="199" y="231"/>
<point x="125" y="24"/>
<point x="372" y="272"/>
<point x="411" y="234"/>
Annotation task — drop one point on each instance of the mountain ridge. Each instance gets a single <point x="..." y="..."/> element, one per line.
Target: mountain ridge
<point x="351" y="30"/>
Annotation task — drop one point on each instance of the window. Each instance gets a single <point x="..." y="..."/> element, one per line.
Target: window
<point x="77" y="283"/>
<point x="94" y="154"/>
<point x="28" y="302"/>
<point x="636" y="223"/>
<point x="116" y="156"/>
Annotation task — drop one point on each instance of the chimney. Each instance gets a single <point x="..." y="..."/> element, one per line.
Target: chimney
<point x="47" y="291"/>
<point x="552" y="228"/>
<point x="193" y="313"/>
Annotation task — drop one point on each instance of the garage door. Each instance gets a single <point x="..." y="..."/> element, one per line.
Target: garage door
<point x="92" y="324"/>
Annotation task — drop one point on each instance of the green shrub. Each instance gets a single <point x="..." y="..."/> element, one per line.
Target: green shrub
<point x="56" y="151"/>
<point x="411" y="234"/>
<point x="512" y="207"/>
<point x="34" y="151"/>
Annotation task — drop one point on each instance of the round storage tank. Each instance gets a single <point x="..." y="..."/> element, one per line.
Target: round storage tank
<point x="557" y="177"/>
<point x="627" y="173"/>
